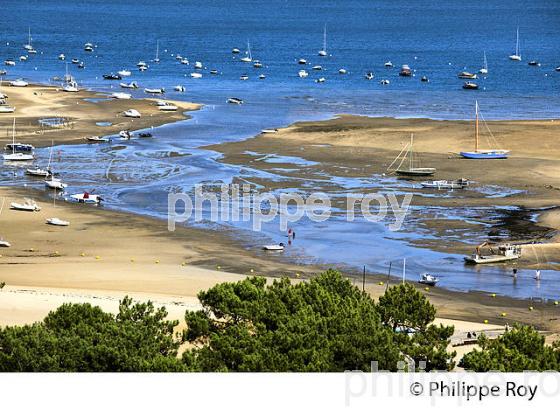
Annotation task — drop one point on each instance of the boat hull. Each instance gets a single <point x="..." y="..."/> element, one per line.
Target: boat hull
<point x="485" y="155"/>
<point x="490" y="259"/>
<point x="417" y="172"/>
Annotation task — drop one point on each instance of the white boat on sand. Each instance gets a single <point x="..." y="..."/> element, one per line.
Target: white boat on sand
<point x="57" y="222"/>
<point x="29" y="205"/>
<point x="277" y="248"/>
<point x="427" y="279"/>
<point x="504" y="253"/>
<point x="86" y="198"/>
<point x="132" y="113"/>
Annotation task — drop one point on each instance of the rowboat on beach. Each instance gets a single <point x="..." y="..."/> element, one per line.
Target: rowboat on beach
<point x="29" y="206"/>
<point x="96" y="138"/>
<point x="57" y="222"/>
<point x="406" y="166"/>
<point x="446" y="184"/>
<point x="132" y="113"/>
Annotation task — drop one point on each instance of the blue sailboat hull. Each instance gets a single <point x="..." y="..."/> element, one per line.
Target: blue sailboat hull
<point x="485" y="155"/>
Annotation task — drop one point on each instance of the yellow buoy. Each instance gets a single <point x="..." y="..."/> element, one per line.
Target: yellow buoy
<point x="98" y="257"/>
<point x="380" y="283"/>
<point x="493" y="295"/>
<point x="183" y="263"/>
<point x="485" y="321"/>
<point x="504" y="314"/>
<point x="219" y="267"/>
<point x="530" y="307"/>
<point x="132" y="260"/>
<point x="297" y="274"/>
<point x="252" y="270"/>
<point x="157" y="260"/>
<point x="556" y="302"/>
<point x="427" y="288"/>
<point x="82" y="254"/>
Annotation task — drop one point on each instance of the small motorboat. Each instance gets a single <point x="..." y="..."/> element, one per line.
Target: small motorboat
<point x="320" y="80"/>
<point x="427" y="279"/>
<point x="96" y="138"/>
<point x="317" y="67"/>
<point x="86" y="198"/>
<point x="143" y="68"/>
<point x="88" y="47"/>
<point x="132" y="113"/>
<point x="124" y="73"/>
<point x="469" y="85"/>
<point x="446" y="184"/>
<point x="154" y="90"/>
<point x="75" y="61"/>
<point x="369" y="75"/>
<point x="38" y="172"/>
<point x="141" y="64"/>
<point x="7" y="109"/>
<point x="132" y="85"/>
<point x="145" y="135"/>
<point x="81" y="65"/>
<point x="55" y="183"/>
<point x="302" y="61"/>
<point x="557" y="68"/>
<point x="9" y="62"/>
<point x="57" y="222"/>
<point x="4" y="243"/>
<point x="19" y="83"/>
<point x="185" y="61"/>
<point x="198" y="65"/>
<point x="167" y="107"/>
<point x="180" y="88"/>
<point x="269" y="131"/>
<point x="112" y="77"/>
<point x="302" y="74"/>
<point x="388" y="64"/>
<point x="23" y="58"/>
<point x="61" y="57"/>
<point x="196" y="75"/>
<point x="405" y="71"/>
<point x="534" y="63"/>
<point x="467" y="75"/>
<point x="29" y="206"/>
<point x="262" y="77"/>
<point x="276" y="248"/>
<point x="214" y="72"/>
<point x="235" y="100"/>
<point x="235" y="51"/>
<point x="121" y="96"/>
<point x="244" y="77"/>
<point x="505" y="252"/>
<point x="342" y="71"/>
<point x="125" y="135"/>
<point x="384" y="82"/>
<point x="257" y="64"/>
<point x="425" y="79"/>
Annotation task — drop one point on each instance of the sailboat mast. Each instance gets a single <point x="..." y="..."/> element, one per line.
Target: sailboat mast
<point x="476" y="128"/>
<point x="517" y="43"/>
<point x="14" y="137"/>
<point x="411" y="151"/>
<point x="325" y="38"/>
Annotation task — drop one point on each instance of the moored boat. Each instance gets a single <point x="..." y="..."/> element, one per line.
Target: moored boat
<point x="480" y="153"/>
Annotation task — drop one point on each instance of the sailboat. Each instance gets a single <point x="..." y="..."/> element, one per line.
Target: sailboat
<point x="17" y="156"/>
<point x="51" y="181"/>
<point x="156" y="60"/>
<point x="29" y="46"/>
<point x="484" y="69"/>
<point x="70" y="85"/>
<point x="409" y="169"/>
<point x="517" y="55"/>
<point x="479" y="153"/>
<point x="248" y="57"/>
<point x="323" y="51"/>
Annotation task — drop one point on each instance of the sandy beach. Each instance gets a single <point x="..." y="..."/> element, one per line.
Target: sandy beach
<point x="81" y="112"/>
<point x="363" y="147"/>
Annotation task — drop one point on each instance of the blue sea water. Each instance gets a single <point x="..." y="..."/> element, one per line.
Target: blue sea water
<point x="437" y="39"/>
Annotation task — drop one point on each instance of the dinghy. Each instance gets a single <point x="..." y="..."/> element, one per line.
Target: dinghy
<point x="154" y="90"/>
<point x="121" y="96"/>
<point x="132" y="85"/>
<point x="235" y="100"/>
<point x="29" y="206"/>
<point x="4" y="244"/>
<point x="37" y="172"/>
<point x="277" y="248"/>
<point x="96" y="138"/>
<point x="57" y="222"/>
<point x="132" y="113"/>
<point x="445" y="184"/>
<point x="124" y="73"/>
<point x="196" y="75"/>
<point x="55" y="183"/>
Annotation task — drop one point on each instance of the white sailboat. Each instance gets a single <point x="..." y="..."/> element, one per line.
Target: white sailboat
<point x="323" y="51"/>
<point x="28" y="46"/>
<point x="156" y="60"/>
<point x="484" y="69"/>
<point x="17" y="156"/>
<point x="517" y="55"/>
<point x="248" y="57"/>
<point x="51" y="181"/>
<point x="70" y="85"/>
<point x="483" y="153"/>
